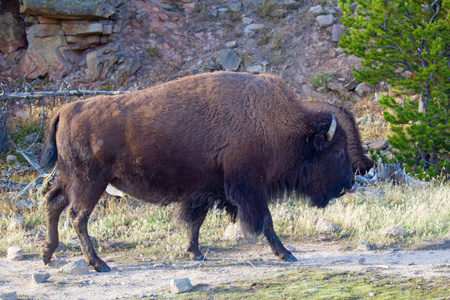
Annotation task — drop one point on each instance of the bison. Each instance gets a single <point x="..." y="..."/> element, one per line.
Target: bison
<point x="360" y="162"/>
<point x="228" y="140"/>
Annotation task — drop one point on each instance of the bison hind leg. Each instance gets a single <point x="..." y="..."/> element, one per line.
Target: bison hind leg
<point x="84" y="196"/>
<point x="55" y="203"/>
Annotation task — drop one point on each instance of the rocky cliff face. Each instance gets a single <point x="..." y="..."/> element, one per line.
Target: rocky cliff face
<point x="133" y="44"/>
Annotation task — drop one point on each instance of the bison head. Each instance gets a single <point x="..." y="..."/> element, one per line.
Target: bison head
<point x="327" y="167"/>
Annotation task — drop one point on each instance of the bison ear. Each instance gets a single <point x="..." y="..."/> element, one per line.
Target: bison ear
<point x="325" y="130"/>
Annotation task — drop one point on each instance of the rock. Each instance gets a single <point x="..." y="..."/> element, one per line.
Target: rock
<point x="189" y="7"/>
<point x="8" y="296"/>
<point x="235" y="6"/>
<point x="362" y="89"/>
<point x="232" y="44"/>
<point x="57" y="262"/>
<point x="290" y="248"/>
<point x="12" y="34"/>
<point x="255" y="69"/>
<point x="247" y="20"/>
<point x="325" y="226"/>
<point x="233" y="232"/>
<point x="325" y="20"/>
<point x="379" y="144"/>
<point x="94" y="67"/>
<point x="336" y="86"/>
<point x="351" y="85"/>
<point x="127" y="67"/>
<point x="316" y="10"/>
<point x="82" y="28"/>
<point x="67" y="9"/>
<point x="179" y="286"/>
<point x="82" y="42"/>
<point x="250" y="30"/>
<point x="78" y="267"/>
<point x="44" y="56"/>
<point x="75" y="243"/>
<point x="337" y="32"/>
<point x="14" y="253"/>
<point x="11" y="158"/>
<point x="43" y="30"/>
<point x="39" y="277"/>
<point x="396" y="230"/>
<point x="228" y="60"/>
<point x="360" y="261"/>
<point x="30" y="138"/>
<point x="364" y="246"/>
<point x="16" y="225"/>
<point x="61" y="247"/>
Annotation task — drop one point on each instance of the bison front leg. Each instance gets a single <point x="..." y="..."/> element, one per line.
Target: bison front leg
<point x="55" y="202"/>
<point x="275" y="244"/>
<point x="251" y="198"/>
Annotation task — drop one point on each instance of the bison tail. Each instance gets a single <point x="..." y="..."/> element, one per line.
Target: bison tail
<point x="49" y="153"/>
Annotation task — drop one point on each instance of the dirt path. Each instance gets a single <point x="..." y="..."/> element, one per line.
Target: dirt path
<point x="143" y="278"/>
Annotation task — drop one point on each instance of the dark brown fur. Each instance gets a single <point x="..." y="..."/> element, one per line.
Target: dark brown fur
<point x="360" y="162"/>
<point x="229" y="140"/>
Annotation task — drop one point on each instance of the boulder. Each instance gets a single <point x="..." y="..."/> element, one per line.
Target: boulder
<point x="182" y="285"/>
<point x="70" y="9"/>
<point x="12" y="34"/>
<point x="228" y="60"/>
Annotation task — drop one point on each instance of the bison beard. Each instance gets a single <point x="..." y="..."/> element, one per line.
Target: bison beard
<point x="230" y="140"/>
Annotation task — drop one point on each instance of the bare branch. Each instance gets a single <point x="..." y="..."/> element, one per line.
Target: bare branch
<point x="79" y="93"/>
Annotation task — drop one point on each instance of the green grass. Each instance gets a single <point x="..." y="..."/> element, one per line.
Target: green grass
<point x="308" y="283"/>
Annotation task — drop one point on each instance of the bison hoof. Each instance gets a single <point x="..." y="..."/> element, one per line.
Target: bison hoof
<point x="46" y="260"/>
<point x="289" y="258"/>
<point x="200" y="258"/>
<point x="104" y="268"/>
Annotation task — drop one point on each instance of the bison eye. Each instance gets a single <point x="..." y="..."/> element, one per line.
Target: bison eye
<point x="338" y="152"/>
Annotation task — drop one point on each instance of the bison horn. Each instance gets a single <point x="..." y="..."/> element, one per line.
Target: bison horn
<point x="332" y="129"/>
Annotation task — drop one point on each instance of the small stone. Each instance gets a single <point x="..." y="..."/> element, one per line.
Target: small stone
<point x="39" y="277"/>
<point x="290" y="248"/>
<point x="78" y="267"/>
<point x="8" y="296"/>
<point x="179" y="286"/>
<point x="247" y="20"/>
<point x="316" y="10"/>
<point x="325" y="226"/>
<point x="396" y="230"/>
<point x="364" y="246"/>
<point x="250" y="30"/>
<point x="57" y="262"/>
<point x="163" y="17"/>
<point x="337" y="32"/>
<point x="232" y="44"/>
<point x="61" y="247"/>
<point x="362" y="89"/>
<point x="228" y="60"/>
<point x="11" y="158"/>
<point x="255" y="69"/>
<point x="31" y="138"/>
<point x="325" y="20"/>
<point x="14" y="253"/>
<point x="360" y="261"/>
<point x="379" y="144"/>
<point x="16" y="225"/>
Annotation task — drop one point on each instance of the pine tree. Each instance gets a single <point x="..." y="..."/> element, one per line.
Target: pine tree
<point x="407" y="44"/>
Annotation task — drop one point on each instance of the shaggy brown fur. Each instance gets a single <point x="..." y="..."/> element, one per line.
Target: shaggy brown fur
<point x="229" y="140"/>
<point x="360" y="162"/>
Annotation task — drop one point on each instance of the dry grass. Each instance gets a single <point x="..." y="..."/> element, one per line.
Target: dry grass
<point x="424" y="212"/>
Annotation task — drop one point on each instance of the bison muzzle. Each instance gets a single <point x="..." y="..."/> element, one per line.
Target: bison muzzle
<point x="228" y="140"/>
